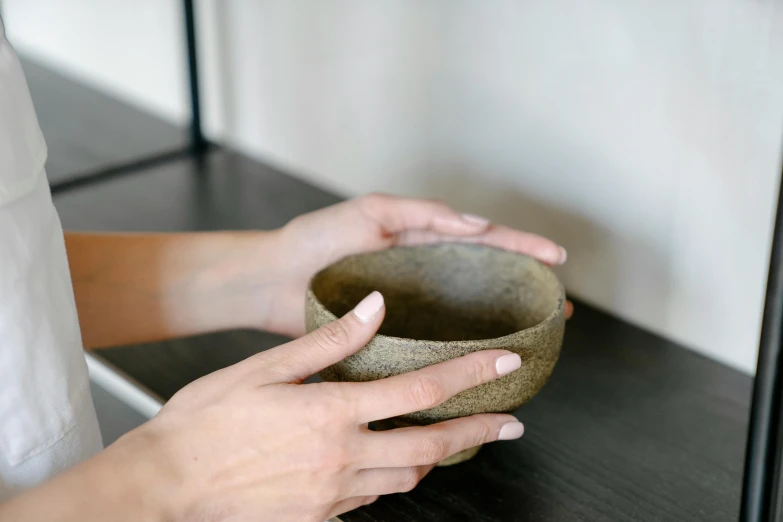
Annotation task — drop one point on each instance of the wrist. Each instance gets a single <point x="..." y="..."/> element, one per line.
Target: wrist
<point x="236" y="289"/>
<point x="286" y="273"/>
<point x="124" y="483"/>
<point x="260" y="281"/>
<point x="134" y="480"/>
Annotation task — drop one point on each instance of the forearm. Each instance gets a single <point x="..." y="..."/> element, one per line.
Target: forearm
<point x="125" y="482"/>
<point x="133" y="288"/>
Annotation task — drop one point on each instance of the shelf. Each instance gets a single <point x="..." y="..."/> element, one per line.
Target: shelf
<point x="630" y="427"/>
<point x="87" y="130"/>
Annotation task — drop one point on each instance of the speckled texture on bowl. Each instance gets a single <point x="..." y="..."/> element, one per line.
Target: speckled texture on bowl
<point x="442" y="302"/>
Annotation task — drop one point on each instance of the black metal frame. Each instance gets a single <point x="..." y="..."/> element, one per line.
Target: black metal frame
<point x="761" y="480"/>
<point x="197" y="141"/>
<point x="197" y="145"/>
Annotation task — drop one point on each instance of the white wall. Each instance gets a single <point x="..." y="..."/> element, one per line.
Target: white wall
<point x="131" y="48"/>
<point x="645" y="136"/>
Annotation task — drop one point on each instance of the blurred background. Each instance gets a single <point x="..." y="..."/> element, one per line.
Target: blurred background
<point x="644" y="136"/>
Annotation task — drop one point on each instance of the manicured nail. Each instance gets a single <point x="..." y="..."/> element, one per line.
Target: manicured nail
<point x="507" y="363"/>
<point x="474" y="220"/>
<point x="563" y="256"/>
<point x="511" y="431"/>
<point x="368" y="307"/>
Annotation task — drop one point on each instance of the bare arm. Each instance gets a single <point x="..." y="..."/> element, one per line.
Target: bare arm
<point x="133" y="288"/>
<point x="249" y="442"/>
<point x="120" y="484"/>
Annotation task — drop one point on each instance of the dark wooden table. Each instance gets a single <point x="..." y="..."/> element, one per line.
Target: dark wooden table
<point x="631" y="427"/>
<point x="87" y="130"/>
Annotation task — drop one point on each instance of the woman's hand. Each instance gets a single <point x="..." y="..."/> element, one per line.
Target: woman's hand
<point x="251" y="443"/>
<point x="374" y="222"/>
<point x="141" y="287"/>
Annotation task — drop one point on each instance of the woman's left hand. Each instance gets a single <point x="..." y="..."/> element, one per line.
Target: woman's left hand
<point x="374" y="222"/>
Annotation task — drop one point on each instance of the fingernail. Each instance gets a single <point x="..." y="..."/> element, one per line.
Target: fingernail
<point x="368" y="307"/>
<point x="511" y="431"/>
<point x="563" y="256"/>
<point x="507" y="363"/>
<point x="475" y="220"/>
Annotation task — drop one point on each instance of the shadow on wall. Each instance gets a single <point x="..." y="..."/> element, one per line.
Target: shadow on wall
<point x="597" y="258"/>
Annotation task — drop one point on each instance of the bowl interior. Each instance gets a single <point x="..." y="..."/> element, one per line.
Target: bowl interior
<point x="447" y="292"/>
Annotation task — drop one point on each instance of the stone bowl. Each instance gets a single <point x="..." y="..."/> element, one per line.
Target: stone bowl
<point x="444" y="301"/>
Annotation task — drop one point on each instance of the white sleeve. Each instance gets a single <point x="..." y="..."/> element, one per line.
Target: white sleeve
<point x="47" y="419"/>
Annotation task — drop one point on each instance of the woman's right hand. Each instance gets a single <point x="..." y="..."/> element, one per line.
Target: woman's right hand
<point x="251" y="443"/>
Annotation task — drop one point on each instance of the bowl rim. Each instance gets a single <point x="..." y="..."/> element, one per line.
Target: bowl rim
<point x="558" y="309"/>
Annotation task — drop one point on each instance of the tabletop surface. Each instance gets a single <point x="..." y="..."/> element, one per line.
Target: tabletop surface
<point x="629" y="427"/>
<point x="87" y="130"/>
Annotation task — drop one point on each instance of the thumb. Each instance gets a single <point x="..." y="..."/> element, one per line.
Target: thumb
<point x="333" y="342"/>
<point x="397" y="215"/>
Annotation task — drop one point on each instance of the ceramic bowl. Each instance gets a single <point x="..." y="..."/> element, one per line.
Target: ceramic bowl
<point x="445" y="301"/>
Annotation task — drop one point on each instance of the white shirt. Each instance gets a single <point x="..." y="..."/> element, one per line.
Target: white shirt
<point x="47" y="418"/>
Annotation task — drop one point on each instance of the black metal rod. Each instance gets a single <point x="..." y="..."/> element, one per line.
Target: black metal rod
<point x="761" y="479"/>
<point x="132" y="167"/>
<point x="197" y="140"/>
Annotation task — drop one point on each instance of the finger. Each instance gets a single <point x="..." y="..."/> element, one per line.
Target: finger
<point x="385" y="481"/>
<point x="539" y="247"/>
<point x="396" y="214"/>
<point x="349" y="504"/>
<point x="417" y="446"/>
<point x="533" y="245"/>
<point x="569" y="309"/>
<point x="424" y="221"/>
<point x="333" y="342"/>
<point x="428" y="387"/>
<point x="423" y="237"/>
